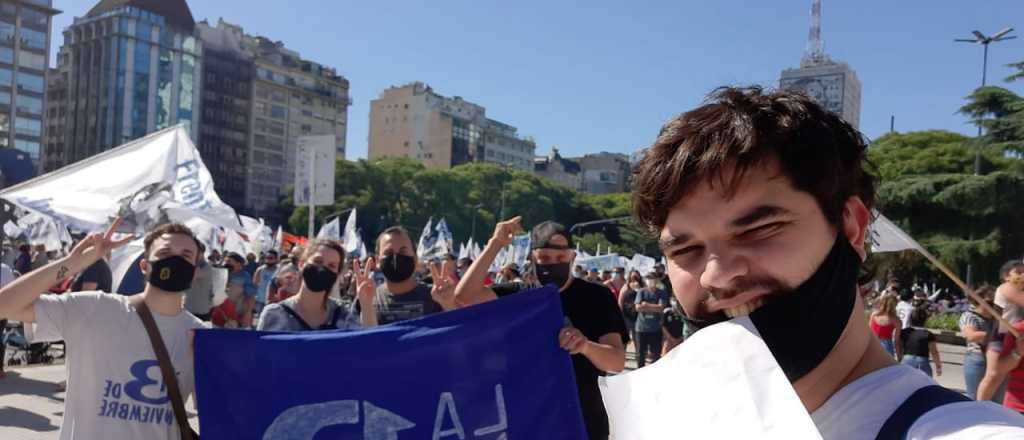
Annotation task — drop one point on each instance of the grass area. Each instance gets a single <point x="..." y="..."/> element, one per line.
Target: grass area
<point x="944" y="321"/>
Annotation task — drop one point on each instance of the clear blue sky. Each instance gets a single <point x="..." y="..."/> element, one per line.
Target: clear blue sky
<point x="604" y="75"/>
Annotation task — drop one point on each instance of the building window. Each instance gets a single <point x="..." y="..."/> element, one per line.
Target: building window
<point x="33" y="39"/>
<point x="9" y="10"/>
<point x="29" y="82"/>
<point x="5" y="98"/>
<point x="28" y="127"/>
<point x="278" y="112"/>
<point x="34" y="18"/>
<point x="31" y="60"/>
<point x="30" y="105"/>
<point x="6" y="33"/>
<point x="6" y="55"/>
<point x="30" y="147"/>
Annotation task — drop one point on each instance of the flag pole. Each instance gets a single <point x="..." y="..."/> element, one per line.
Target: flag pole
<point x="967" y="290"/>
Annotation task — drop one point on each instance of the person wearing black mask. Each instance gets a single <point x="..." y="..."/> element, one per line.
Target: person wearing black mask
<point x="110" y="348"/>
<point x="761" y="202"/>
<point x="597" y="334"/>
<point x="402" y="297"/>
<point x="311" y="309"/>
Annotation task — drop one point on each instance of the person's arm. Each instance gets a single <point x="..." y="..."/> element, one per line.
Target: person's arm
<point x="998" y="365"/>
<point x="897" y="343"/>
<point x="16" y="298"/>
<point x="933" y="349"/>
<point x="471" y="289"/>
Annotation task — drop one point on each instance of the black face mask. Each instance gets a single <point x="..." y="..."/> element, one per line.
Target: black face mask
<point x="556" y="274"/>
<point x="802" y="326"/>
<point x="172" y="274"/>
<point x="318" y="278"/>
<point x="397" y="267"/>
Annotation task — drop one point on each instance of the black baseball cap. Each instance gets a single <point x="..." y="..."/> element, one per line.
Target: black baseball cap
<point x="541" y="235"/>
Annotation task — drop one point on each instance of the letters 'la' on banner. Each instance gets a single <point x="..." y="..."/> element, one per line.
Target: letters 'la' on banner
<point x="491" y="371"/>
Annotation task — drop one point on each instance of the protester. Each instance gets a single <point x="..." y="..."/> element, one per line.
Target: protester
<point x="312" y="309"/>
<point x="215" y="258"/>
<point x="96" y="277"/>
<point x="402" y="297"/>
<point x="904" y="307"/>
<point x="579" y="272"/>
<point x="659" y="270"/>
<point x="40" y="257"/>
<point x="978" y="328"/>
<point x="917" y="344"/>
<point x="627" y="303"/>
<point x="238" y="276"/>
<point x="199" y="297"/>
<point x="263" y="279"/>
<point x="251" y="264"/>
<point x="673" y="326"/>
<point x="1008" y="364"/>
<point x="286" y="283"/>
<point x="1009" y="297"/>
<point x="597" y="334"/>
<point x="617" y="281"/>
<point x="651" y="303"/>
<point x="110" y="347"/>
<point x="228" y="314"/>
<point x="762" y="201"/>
<point x="886" y="325"/>
<point x="23" y="264"/>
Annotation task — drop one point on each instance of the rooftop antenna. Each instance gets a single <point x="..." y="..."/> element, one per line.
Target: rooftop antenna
<point x="814" y="54"/>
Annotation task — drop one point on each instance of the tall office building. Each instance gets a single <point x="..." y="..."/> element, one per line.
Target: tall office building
<point x="832" y="84"/>
<point x="415" y="122"/>
<point x="24" y="51"/>
<point x="132" y="67"/>
<point x="259" y="97"/>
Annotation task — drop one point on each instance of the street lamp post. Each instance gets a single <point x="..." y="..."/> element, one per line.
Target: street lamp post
<point x="983" y="40"/>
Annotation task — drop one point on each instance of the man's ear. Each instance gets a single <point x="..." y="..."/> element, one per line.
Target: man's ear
<point x="856" y="219"/>
<point x="144" y="266"/>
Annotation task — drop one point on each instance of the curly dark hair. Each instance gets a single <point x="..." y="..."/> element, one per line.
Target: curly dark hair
<point x="740" y="128"/>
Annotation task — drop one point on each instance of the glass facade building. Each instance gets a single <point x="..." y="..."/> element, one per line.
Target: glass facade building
<point x="128" y="68"/>
<point x="24" y="50"/>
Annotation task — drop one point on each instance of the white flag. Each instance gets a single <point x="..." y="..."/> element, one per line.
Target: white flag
<point x="330" y="231"/>
<point x="12" y="230"/>
<point x="463" y="251"/>
<point x="351" y="235"/>
<point x="425" y="243"/>
<point x="157" y="178"/>
<point x="122" y="259"/>
<point x="887" y="237"/>
<point x="279" y="239"/>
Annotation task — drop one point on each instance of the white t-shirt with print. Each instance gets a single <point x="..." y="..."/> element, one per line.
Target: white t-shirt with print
<point x="859" y="409"/>
<point x="115" y="388"/>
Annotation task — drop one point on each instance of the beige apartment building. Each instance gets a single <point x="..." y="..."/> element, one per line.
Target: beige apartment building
<point x="414" y="121"/>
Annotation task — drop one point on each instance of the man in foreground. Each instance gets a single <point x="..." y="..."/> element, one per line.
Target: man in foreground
<point x="115" y="387"/>
<point x="761" y="202"/>
<point x="595" y="334"/>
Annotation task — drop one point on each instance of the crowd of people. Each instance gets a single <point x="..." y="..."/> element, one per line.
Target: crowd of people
<point x="761" y="204"/>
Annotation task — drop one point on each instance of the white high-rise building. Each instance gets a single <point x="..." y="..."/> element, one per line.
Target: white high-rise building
<point x="832" y="83"/>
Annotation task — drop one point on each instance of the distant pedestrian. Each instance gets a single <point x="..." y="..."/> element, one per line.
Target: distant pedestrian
<point x="918" y="345"/>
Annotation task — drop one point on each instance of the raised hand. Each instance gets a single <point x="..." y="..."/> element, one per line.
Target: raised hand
<point x="366" y="289"/>
<point x="95" y="246"/>
<point x="504" y="231"/>
<point x="444" y="284"/>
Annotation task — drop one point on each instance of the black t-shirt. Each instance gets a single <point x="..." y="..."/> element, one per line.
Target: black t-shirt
<point x="673" y="322"/>
<point x="413" y="304"/>
<point x="592" y="309"/>
<point x="915" y="341"/>
<point x="99" y="273"/>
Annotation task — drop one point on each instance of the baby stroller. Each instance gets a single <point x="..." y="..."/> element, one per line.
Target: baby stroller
<point x="20" y="351"/>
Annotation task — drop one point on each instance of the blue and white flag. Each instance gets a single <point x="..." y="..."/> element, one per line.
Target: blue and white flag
<point x="426" y="236"/>
<point x="448" y="376"/>
<point x="350" y="236"/>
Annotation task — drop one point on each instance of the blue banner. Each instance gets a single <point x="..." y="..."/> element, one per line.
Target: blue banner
<point x="492" y="371"/>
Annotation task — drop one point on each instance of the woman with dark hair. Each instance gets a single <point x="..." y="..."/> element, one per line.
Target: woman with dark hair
<point x="627" y="302"/>
<point x="918" y="346"/>
<point x="311" y="309"/>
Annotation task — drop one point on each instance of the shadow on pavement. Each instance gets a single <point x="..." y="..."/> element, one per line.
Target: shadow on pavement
<point x="16" y="383"/>
<point x="20" y="418"/>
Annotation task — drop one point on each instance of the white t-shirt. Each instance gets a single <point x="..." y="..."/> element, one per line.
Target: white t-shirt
<point x="115" y="388"/>
<point x="903" y="310"/>
<point x="859" y="409"/>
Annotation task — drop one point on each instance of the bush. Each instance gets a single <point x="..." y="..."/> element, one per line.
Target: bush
<point x="944" y="321"/>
